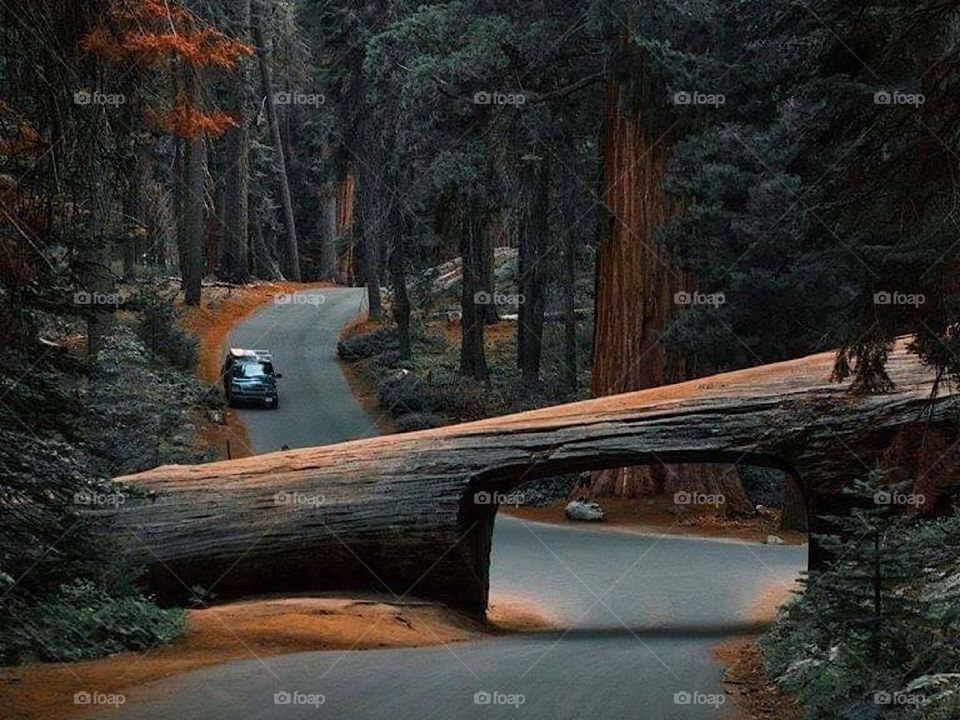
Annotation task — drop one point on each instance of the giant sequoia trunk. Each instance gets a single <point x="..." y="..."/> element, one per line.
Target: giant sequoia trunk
<point x="346" y="197"/>
<point x="401" y="512"/>
<point x="636" y="283"/>
<point x="337" y="262"/>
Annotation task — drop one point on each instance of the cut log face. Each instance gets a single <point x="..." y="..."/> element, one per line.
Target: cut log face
<point x="413" y="513"/>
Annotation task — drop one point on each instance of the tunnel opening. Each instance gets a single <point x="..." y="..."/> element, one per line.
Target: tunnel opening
<point x="747" y="501"/>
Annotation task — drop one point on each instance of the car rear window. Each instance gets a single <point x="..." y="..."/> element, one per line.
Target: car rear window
<point x="254" y="369"/>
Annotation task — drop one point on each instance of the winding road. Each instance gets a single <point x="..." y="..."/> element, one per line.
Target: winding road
<point x="638" y="615"/>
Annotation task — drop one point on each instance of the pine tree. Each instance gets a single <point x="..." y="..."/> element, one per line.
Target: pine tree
<point x="871" y="598"/>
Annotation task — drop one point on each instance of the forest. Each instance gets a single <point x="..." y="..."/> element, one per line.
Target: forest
<point x="543" y="202"/>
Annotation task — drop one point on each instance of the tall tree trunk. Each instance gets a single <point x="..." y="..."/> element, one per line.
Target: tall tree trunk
<point x="236" y="219"/>
<point x="634" y="282"/>
<point x="157" y="217"/>
<point x="328" y="233"/>
<point x="292" y="248"/>
<point x="534" y="227"/>
<point x="367" y="251"/>
<point x="213" y="223"/>
<point x="569" y="300"/>
<point x="264" y="259"/>
<point x="369" y="222"/>
<point x="491" y="316"/>
<point x="94" y="248"/>
<point x="346" y="197"/>
<point x="135" y="211"/>
<point x="398" y="278"/>
<point x="473" y="361"/>
<point x="191" y="222"/>
<point x="190" y="207"/>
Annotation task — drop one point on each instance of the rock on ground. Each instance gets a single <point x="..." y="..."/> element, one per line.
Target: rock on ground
<point x="584" y="511"/>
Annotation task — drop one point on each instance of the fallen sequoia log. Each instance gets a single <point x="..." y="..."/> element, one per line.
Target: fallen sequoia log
<point x="413" y="513"/>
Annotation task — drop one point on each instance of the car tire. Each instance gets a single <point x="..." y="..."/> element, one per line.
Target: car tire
<point x="275" y="404"/>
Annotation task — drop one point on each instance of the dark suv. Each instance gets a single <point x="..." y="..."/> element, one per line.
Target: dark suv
<point x="249" y="378"/>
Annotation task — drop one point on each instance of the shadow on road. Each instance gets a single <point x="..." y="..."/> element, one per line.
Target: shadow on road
<point x="690" y="631"/>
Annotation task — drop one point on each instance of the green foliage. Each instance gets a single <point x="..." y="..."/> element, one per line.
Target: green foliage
<point x="809" y="200"/>
<point x="48" y="535"/>
<point x="162" y="334"/>
<point x="876" y="634"/>
<point x="126" y="413"/>
<point x="360" y="346"/>
<point x="80" y="622"/>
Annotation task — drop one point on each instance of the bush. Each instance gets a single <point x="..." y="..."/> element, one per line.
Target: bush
<point x="876" y="634"/>
<point x="81" y="622"/>
<point x="162" y="334"/>
<point x="403" y="394"/>
<point x="367" y="345"/>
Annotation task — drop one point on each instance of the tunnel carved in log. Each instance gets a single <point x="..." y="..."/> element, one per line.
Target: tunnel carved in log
<point x="397" y="513"/>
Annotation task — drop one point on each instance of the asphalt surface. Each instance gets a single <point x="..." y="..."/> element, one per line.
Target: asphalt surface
<point x="637" y="615"/>
<point x="316" y="406"/>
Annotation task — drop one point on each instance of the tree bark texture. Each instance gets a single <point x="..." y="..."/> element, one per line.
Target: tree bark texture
<point x="636" y="284"/>
<point x="532" y="267"/>
<point x="475" y="295"/>
<point x="398" y="277"/>
<point x="191" y="205"/>
<point x="402" y="512"/>
<point x="236" y="219"/>
<point x="264" y="55"/>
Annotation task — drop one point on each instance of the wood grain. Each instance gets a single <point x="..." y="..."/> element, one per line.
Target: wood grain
<point x="398" y="512"/>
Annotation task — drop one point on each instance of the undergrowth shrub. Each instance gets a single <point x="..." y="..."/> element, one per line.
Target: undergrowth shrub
<point x="876" y="634"/>
<point x="81" y="622"/>
<point x="164" y="336"/>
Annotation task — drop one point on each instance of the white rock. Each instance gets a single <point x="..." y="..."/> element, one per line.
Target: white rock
<point x="774" y="540"/>
<point x="584" y="510"/>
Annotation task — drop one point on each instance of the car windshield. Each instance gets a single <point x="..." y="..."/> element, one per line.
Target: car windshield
<point x="254" y="369"/>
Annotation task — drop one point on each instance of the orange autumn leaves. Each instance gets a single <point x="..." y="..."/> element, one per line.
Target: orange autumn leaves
<point x="162" y="34"/>
<point x="188" y="122"/>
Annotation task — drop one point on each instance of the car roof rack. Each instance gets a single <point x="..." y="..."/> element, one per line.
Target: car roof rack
<point x="254" y="354"/>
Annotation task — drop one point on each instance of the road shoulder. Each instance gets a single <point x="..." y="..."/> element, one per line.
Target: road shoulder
<point x="254" y="630"/>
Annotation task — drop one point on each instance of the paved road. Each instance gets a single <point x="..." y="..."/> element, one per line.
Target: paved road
<point x="316" y="406"/>
<point x="639" y="615"/>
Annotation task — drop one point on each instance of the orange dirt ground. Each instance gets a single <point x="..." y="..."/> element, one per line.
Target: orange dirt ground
<point x="252" y="630"/>
<point x="744" y="680"/>
<point x="650" y="515"/>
